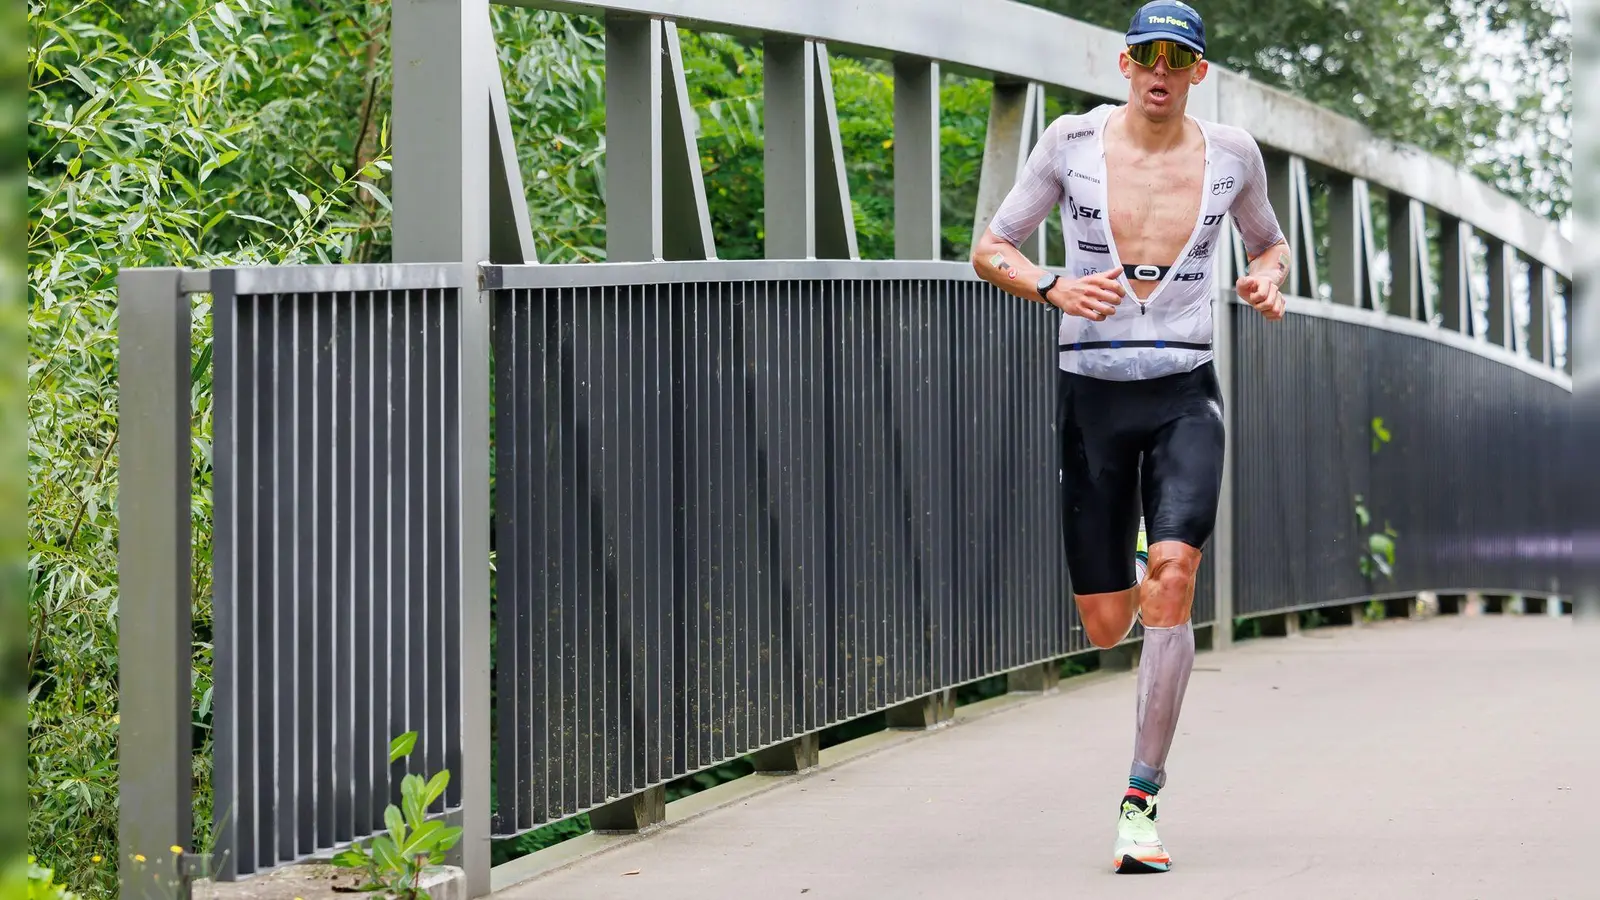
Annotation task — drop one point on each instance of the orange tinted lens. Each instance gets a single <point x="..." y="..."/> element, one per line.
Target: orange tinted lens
<point x="1178" y="56"/>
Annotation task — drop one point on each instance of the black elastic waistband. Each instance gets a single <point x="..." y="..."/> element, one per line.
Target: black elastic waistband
<point x="1118" y="345"/>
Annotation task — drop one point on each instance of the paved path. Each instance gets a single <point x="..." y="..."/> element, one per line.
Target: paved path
<point x="1451" y="758"/>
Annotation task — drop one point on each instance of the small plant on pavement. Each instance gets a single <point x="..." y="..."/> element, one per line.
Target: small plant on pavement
<point x="395" y="862"/>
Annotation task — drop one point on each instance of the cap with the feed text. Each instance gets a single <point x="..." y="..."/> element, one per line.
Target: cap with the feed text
<point x="1170" y="20"/>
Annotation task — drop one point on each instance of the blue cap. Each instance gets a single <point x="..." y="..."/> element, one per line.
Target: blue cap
<point x="1170" y="20"/>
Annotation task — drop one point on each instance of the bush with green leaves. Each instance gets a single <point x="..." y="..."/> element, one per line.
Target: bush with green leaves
<point x="157" y="137"/>
<point x="42" y="884"/>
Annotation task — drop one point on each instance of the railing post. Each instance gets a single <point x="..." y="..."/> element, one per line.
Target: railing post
<point x="1455" y="291"/>
<point x="1502" y="263"/>
<point x="1285" y="202"/>
<point x="686" y="219"/>
<point x="1408" y="260"/>
<point x="633" y="138"/>
<point x="1344" y="240"/>
<point x="789" y="73"/>
<point x="1540" y="288"/>
<point x="1222" y="535"/>
<point x="1005" y="150"/>
<point x="441" y="214"/>
<point x="836" y="218"/>
<point x="916" y="159"/>
<point x="154" y="622"/>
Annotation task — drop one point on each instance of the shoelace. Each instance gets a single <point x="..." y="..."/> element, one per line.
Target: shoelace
<point x="1138" y="821"/>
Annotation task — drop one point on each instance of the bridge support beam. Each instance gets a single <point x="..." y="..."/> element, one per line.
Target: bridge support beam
<point x="1122" y="657"/>
<point x="1286" y="624"/>
<point x="631" y="815"/>
<point x="923" y="713"/>
<point x="1039" y="678"/>
<point x="789" y="757"/>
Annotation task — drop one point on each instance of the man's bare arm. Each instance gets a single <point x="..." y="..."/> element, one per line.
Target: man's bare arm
<point x="997" y="260"/>
<point x="1000" y="263"/>
<point x="1272" y="264"/>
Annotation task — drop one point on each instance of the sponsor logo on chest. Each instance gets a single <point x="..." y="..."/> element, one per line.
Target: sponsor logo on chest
<point x="1082" y="212"/>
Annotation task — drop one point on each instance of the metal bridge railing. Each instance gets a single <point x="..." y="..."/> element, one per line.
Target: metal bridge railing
<point x="733" y="504"/>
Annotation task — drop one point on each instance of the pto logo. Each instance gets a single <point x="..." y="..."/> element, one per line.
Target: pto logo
<point x="1166" y="20"/>
<point x="1222" y="187"/>
<point x="1088" y="247"/>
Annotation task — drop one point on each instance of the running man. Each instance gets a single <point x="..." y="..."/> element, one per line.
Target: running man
<point x="1145" y="190"/>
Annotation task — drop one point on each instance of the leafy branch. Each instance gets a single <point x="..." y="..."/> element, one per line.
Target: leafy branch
<point x="395" y="862"/>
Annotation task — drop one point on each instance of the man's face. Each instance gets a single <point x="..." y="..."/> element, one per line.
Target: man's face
<point x="1160" y="92"/>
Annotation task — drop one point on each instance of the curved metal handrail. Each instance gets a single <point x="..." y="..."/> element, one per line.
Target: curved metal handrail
<point x="1049" y="49"/>
<point x="618" y="274"/>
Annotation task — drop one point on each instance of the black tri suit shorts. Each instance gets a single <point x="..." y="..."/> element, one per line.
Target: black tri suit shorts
<point x="1158" y="442"/>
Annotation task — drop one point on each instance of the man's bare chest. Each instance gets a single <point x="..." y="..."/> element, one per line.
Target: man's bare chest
<point x="1152" y="204"/>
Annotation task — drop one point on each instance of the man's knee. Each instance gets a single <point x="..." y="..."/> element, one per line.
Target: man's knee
<point x="1104" y="633"/>
<point x="1107" y="618"/>
<point x="1168" y="589"/>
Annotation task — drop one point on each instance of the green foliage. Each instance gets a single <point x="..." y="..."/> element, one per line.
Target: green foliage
<point x="1377" y="556"/>
<point x="395" y="862"/>
<point x="1380" y="433"/>
<point x="42" y="884"/>
<point x="1482" y="83"/>
<point x="159" y="135"/>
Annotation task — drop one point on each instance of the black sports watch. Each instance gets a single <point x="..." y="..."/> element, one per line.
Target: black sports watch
<point x="1046" y="282"/>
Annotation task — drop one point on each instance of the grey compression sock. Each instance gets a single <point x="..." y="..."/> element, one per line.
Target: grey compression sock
<point x="1164" y="667"/>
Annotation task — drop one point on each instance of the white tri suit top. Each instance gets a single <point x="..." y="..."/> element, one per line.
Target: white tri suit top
<point x="1172" y="332"/>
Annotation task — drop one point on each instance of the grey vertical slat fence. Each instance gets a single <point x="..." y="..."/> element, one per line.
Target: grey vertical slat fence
<point x="336" y="607"/>
<point x="728" y="511"/>
<point x="731" y="513"/>
<point x="1467" y="481"/>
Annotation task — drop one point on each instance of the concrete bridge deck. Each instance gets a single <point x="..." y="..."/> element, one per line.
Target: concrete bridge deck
<point x="1451" y="758"/>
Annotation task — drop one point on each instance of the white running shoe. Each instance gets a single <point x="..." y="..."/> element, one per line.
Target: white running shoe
<point x="1138" y="849"/>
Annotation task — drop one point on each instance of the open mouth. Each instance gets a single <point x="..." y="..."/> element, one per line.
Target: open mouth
<point x="1158" y="92"/>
